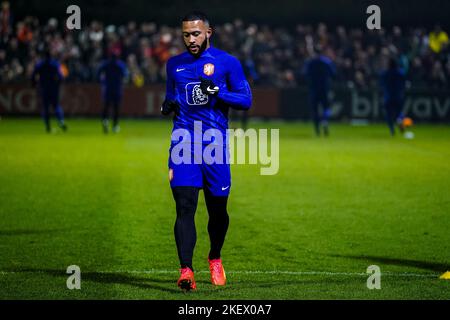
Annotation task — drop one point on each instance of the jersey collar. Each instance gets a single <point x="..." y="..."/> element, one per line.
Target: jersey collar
<point x="207" y="53"/>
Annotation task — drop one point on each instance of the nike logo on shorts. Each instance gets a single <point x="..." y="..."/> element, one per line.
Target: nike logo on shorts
<point x="225" y="188"/>
<point x="181" y="69"/>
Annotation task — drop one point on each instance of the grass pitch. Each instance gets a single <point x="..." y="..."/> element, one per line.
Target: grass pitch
<point x="337" y="206"/>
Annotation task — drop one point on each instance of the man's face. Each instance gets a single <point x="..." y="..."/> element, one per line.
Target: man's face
<point x="196" y="36"/>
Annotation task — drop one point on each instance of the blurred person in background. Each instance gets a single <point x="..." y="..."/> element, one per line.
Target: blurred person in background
<point x="438" y="39"/>
<point x="437" y="78"/>
<point x="267" y="52"/>
<point x="393" y="82"/>
<point x="319" y="72"/>
<point x="252" y="76"/>
<point x="111" y="74"/>
<point x="6" y="22"/>
<point x="48" y="77"/>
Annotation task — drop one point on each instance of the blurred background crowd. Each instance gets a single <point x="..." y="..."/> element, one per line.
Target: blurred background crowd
<point x="272" y="56"/>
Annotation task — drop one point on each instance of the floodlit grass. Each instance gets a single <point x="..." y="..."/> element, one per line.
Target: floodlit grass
<point x="337" y="205"/>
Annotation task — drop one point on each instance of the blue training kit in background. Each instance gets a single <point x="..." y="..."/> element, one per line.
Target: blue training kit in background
<point x="319" y="72"/>
<point x="50" y="78"/>
<point x="111" y="74"/>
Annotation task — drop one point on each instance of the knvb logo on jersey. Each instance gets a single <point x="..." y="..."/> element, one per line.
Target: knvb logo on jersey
<point x="208" y="69"/>
<point x="215" y="147"/>
<point x="194" y="94"/>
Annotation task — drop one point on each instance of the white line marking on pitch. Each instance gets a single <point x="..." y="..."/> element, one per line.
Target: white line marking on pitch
<point x="269" y="272"/>
<point x="280" y="272"/>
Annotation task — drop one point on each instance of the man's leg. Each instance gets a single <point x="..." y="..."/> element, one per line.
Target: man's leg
<point x="46" y="113"/>
<point x="399" y="116"/>
<point x="217" y="229"/>
<point x="185" y="181"/>
<point x="218" y="222"/>
<point x="59" y="113"/>
<point x="326" y="113"/>
<point x="390" y="117"/>
<point x="314" y="105"/>
<point x="105" y="115"/>
<point x="216" y="186"/>
<point x="116" y="105"/>
<point x="186" y="199"/>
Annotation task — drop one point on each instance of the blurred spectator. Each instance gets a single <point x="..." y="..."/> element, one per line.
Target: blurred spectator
<point x="24" y="33"/>
<point x="5" y="22"/>
<point x="438" y="79"/>
<point x="270" y="56"/>
<point x="438" y="39"/>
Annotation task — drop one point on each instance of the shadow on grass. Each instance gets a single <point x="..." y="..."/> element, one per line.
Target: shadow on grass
<point x="427" y="265"/>
<point x="26" y="232"/>
<point x="111" y="278"/>
<point x="169" y="285"/>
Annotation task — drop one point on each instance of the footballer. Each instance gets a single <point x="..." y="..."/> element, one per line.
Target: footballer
<point x="202" y="84"/>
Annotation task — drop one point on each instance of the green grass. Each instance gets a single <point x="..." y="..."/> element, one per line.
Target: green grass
<point x="336" y="206"/>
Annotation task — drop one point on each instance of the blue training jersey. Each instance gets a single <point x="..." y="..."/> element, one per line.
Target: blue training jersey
<point x="111" y="74"/>
<point x="319" y="72"/>
<point x="392" y="82"/>
<point x="49" y="73"/>
<point x="184" y="73"/>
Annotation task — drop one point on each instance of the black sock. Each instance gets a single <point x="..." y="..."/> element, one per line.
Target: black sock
<point x="115" y="114"/>
<point x="218" y="222"/>
<point x="186" y="199"/>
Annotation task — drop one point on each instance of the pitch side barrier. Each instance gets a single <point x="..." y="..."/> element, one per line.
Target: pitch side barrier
<point x="351" y="104"/>
<point x="291" y="104"/>
<point x="85" y="100"/>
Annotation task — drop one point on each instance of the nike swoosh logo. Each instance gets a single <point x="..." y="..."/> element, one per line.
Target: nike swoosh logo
<point x="223" y="189"/>
<point x="178" y="70"/>
<point x="212" y="90"/>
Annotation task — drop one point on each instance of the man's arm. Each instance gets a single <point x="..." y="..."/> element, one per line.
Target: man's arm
<point x="98" y="74"/>
<point x="124" y="71"/>
<point x="170" y="103"/>
<point x="305" y="69"/>
<point x="34" y="75"/>
<point x="332" y="68"/>
<point x="59" y="74"/>
<point x="403" y="80"/>
<point x="381" y="80"/>
<point x="170" y="82"/>
<point x="238" y="95"/>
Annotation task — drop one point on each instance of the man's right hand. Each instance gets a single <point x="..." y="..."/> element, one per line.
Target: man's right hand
<point x="169" y="106"/>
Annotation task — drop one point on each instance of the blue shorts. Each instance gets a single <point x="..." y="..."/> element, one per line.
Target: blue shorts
<point x="214" y="177"/>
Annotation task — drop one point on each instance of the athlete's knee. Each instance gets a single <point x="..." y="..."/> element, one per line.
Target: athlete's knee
<point x="218" y="211"/>
<point x="216" y="205"/>
<point x="186" y="199"/>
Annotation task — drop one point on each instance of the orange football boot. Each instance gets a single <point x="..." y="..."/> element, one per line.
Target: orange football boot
<point x="186" y="280"/>
<point x="218" y="277"/>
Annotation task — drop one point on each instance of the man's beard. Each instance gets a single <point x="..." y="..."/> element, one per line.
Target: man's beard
<point x="200" y="50"/>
